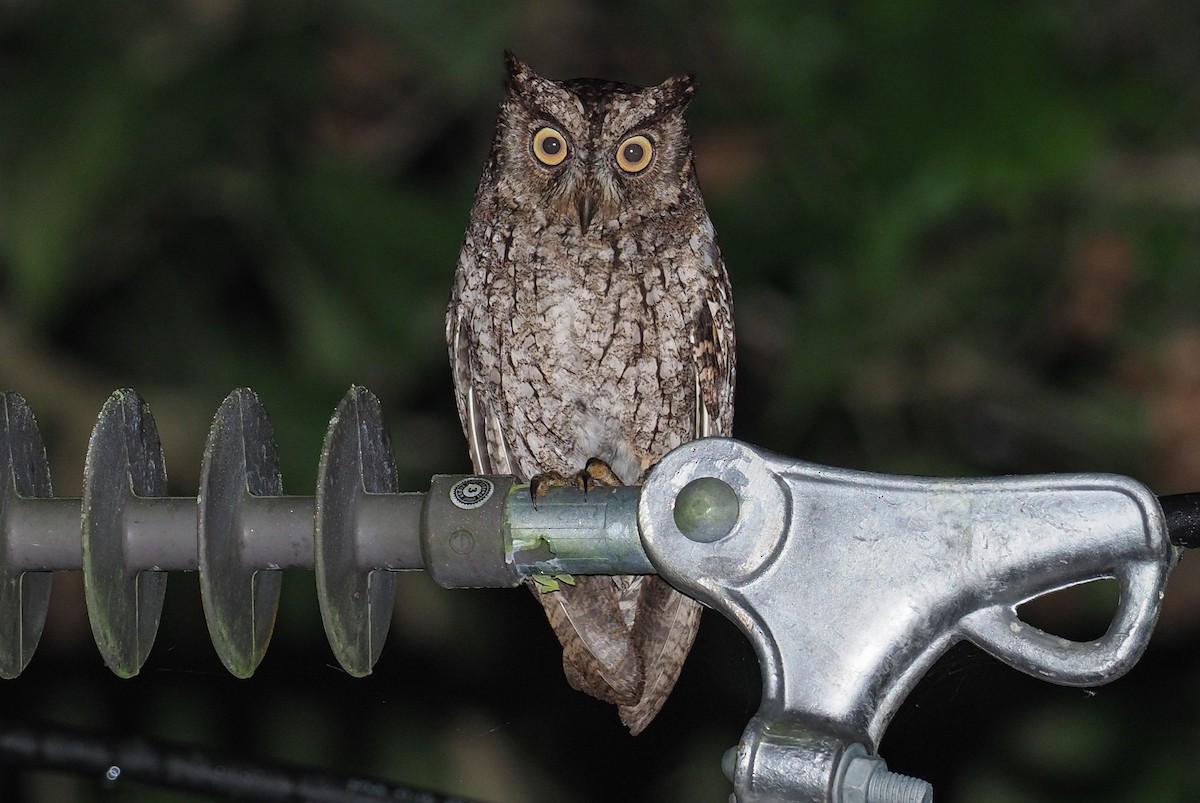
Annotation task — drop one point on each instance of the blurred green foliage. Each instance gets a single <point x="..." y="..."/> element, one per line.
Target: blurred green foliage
<point x="963" y="238"/>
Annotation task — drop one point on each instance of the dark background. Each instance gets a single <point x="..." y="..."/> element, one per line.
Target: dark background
<point x="963" y="240"/>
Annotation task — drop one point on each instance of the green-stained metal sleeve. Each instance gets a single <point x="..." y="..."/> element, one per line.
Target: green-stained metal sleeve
<point x="570" y="532"/>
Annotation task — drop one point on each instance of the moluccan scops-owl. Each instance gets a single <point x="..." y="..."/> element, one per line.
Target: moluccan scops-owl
<point x="591" y="316"/>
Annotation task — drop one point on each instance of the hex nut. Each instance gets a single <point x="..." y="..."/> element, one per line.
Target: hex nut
<point x="856" y="779"/>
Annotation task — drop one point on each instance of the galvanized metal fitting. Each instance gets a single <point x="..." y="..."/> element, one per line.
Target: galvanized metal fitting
<point x="850" y="585"/>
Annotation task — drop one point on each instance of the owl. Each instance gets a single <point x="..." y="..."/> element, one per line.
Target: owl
<point x="591" y="317"/>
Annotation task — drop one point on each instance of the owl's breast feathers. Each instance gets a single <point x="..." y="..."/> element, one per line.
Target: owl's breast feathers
<point x="618" y="344"/>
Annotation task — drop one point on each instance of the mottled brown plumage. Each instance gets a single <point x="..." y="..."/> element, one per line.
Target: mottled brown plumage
<point x="591" y="317"/>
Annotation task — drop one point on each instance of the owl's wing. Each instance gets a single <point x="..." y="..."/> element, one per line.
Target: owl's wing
<point x="713" y="360"/>
<point x="667" y="620"/>
<point x="475" y="419"/>
<point x="485" y="441"/>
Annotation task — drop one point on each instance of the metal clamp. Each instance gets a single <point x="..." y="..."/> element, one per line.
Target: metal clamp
<point x="851" y="584"/>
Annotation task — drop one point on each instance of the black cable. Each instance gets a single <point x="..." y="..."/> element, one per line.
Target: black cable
<point x="1182" y="512"/>
<point x="137" y="760"/>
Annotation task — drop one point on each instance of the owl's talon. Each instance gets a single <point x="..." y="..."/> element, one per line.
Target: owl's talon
<point x="540" y="484"/>
<point x="595" y="473"/>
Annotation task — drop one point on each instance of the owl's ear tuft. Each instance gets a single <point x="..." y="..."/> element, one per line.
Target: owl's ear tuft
<point x="676" y="92"/>
<point x="519" y="72"/>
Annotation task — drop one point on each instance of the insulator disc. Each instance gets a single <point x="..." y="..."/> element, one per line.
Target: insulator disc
<point x="24" y="596"/>
<point x="356" y="459"/>
<point x="240" y="603"/>
<point x="124" y="462"/>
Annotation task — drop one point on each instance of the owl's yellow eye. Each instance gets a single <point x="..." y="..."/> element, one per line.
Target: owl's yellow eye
<point x="634" y="154"/>
<point x="549" y="147"/>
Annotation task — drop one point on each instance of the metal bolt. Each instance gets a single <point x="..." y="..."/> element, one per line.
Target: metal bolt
<point x="866" y="779"/>
<point x="462" y="542"/>
<point x="706" y="510"/>
<point x="729" y="762"/>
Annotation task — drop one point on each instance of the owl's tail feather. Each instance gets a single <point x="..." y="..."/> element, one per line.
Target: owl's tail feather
<point x="598" y="655"/>
<point x="663" y="633"/>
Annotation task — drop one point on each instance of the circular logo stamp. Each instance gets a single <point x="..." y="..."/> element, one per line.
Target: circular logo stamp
<point x="471" y="493"/>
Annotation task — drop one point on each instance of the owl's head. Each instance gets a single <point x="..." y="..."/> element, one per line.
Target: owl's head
<point x="588" y="150"/>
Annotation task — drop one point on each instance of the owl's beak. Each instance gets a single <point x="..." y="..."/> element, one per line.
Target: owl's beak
<point x="585" y="205"/>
